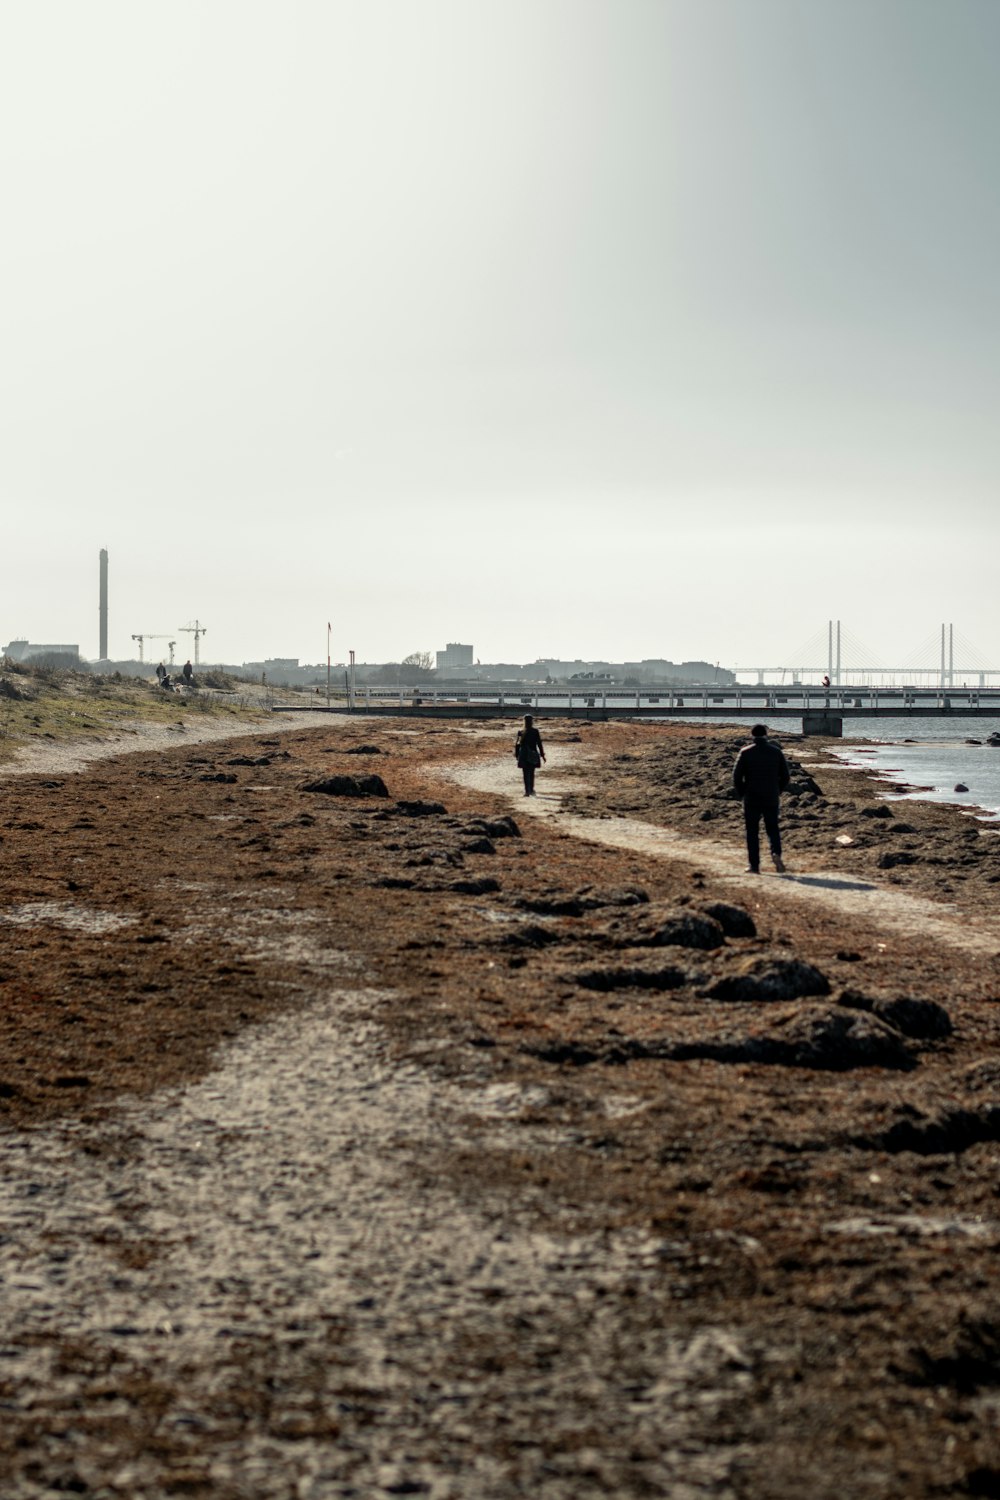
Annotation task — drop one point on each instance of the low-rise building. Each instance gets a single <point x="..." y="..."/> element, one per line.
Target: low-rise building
<point x="32" y="650"/>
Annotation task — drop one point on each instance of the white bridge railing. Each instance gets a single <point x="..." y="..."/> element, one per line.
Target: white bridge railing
<point x="698" y="699"/>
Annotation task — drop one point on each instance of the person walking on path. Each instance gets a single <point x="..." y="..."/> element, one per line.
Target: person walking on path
<point x="187" y="672"/>
<point x="530" y="752"/>
<point x="760" y="776"/>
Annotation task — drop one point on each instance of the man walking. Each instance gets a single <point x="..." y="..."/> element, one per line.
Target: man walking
<point x="760" y="776"/>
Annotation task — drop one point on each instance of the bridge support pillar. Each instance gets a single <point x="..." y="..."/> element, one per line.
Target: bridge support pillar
<point x="822" y="721"/>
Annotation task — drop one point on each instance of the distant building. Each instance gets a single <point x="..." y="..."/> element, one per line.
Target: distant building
<point x="281" y="669"/>
<point x="657" y="670"/>
<point x="454" y="655"/>
<point x="31" y="650"/>
<point x="548" y="669"/>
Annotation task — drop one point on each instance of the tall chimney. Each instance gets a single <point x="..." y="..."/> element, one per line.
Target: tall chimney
<point x="104" y="605"/>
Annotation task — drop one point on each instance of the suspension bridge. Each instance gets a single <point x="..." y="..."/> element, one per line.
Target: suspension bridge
<point x="945" y="660"/>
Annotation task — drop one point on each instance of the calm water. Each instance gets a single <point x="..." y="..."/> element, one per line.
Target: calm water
<point x="931" y="760"/>
<point x="925" y="758"/>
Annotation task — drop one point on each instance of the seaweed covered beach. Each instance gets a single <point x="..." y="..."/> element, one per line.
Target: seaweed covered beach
<point x="369" y="1129"/>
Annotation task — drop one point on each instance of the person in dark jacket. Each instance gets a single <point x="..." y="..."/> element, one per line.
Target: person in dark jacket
<point x="760" y="776"/>
<point x="530" y="753"/>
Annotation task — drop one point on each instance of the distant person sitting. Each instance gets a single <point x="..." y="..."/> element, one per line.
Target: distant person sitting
<point x="187" y="672"/>
<point x="165" y="682"/>
<point x="759" y="777"/>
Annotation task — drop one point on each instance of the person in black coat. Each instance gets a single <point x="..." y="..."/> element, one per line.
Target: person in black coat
<point x="759" y="777"/>
<point x="530" y="753"/>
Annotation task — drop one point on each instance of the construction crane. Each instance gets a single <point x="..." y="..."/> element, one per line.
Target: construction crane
<point x="197" y="630"/>
<point x="148" y="636"/>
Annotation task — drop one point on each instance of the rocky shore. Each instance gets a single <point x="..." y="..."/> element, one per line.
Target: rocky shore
<point x="368" y="1129"/>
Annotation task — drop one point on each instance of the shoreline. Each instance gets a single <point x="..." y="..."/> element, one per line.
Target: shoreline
<point x="64" y="756"/>
<point x="911" y="790"/>
<point x="81" y="755"/>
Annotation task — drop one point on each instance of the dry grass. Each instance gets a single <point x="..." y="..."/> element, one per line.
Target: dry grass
<point x="52" y="704"/>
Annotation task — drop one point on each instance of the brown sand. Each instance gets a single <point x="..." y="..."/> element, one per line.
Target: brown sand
<point x="365" y="1145"/>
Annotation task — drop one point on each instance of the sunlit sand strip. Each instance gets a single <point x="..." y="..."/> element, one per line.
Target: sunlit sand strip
<point x="64" y="914"/>
<point x="64" y="758"/>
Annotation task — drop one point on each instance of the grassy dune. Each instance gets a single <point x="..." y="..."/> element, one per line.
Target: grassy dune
<point x="48" y="703"/>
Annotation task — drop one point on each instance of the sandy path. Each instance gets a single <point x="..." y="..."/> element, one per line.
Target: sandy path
<point x="565" y="769"/>
<point x="262" y="1231"/>
<point x="46" y="757"/>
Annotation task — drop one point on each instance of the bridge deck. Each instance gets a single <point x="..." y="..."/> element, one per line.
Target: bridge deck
<point x="607" y="706"/>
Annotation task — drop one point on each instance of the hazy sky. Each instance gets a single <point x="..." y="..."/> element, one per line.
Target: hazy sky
<point x="614" y="328"/>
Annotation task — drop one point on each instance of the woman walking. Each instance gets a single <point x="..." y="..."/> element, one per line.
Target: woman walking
<point x="530" y="753"/>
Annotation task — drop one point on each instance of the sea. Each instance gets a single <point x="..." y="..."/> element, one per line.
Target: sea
<point x="922" y="760"/>
<point x="932" y="760"/>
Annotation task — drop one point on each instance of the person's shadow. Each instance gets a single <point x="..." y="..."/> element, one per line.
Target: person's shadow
<point x="831" y="882"/>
